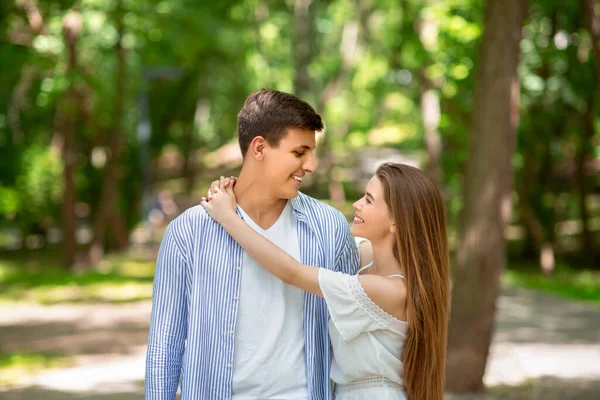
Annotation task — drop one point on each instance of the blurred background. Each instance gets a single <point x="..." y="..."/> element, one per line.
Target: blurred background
<point x="116" y="114"/>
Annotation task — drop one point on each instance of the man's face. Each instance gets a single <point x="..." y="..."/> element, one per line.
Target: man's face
<point x="285" y="166"/>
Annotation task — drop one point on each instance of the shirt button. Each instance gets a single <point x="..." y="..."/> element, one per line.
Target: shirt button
<point x="238" y="268"/>
<point x="235" y="297"/>
<point x="231" y="332"/>
<point x="229" y="366"/>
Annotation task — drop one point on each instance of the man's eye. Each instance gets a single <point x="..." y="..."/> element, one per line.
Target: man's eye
<point x="298" y="154"/>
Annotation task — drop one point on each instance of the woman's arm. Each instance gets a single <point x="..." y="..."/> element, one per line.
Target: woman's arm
<point x="221" y="205"/>
<point x="221" y="208"/>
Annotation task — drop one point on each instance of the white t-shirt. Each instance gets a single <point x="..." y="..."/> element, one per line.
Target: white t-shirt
<point x="269" y="355"/>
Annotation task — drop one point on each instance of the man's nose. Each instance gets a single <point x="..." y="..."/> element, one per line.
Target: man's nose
<point x="310" y="165"/>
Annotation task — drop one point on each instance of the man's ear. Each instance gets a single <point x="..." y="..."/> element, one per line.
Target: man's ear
<point x="257" y="148"/>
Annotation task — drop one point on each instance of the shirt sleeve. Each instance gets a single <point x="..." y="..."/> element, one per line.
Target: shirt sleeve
<point x="168" y="321"/>
<point x="347" y="257"/>
<point x="351" y="310"/>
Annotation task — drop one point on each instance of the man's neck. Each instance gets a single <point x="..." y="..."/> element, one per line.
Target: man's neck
<point x="254" y="196"/>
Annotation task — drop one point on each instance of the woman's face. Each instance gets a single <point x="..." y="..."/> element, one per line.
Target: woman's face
<point x="372" y="218"/>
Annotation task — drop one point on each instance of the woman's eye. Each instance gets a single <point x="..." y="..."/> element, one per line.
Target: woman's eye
<point x="368" y="201"/>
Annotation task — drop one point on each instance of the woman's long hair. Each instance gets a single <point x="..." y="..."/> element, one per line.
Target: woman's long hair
<point x="421" y="249"/>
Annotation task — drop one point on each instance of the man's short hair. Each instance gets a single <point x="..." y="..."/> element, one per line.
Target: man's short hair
<point x="269" y="113"/>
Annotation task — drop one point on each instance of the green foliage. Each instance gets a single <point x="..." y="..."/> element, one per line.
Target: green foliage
<point x="581" y="285"/>
<point x="193" y="63"/>
<point x="15" y="366"/>
<point x="40" y="184"/>
<point x="40" y="277"/>
<point x="9" y="201"/>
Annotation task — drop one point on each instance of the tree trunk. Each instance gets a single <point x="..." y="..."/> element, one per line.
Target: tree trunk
<point x="538" y="166"/>
<point x="189" y="165"/>
<point x="261" y="15"/>
<point x="583" y="155"/>
<point x="487" y="193"/>
<point x="108" y="210"/>
<point x="591" y="11"/>
<point x="200" y="123"/>
<point x="430" y="103"/>
<point x="539" y="239"/>
<point x="67" y="120"/>
<point x="303" y="43"/>
<point x="350" y="48"/>
<point x="68" y="205"/>
<point x="431" y="114"/>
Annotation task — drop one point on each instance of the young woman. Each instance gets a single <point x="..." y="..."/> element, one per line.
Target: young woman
<point x="389" y="322"/>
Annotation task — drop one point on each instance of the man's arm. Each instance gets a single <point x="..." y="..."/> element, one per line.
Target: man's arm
<point x="346" y="252"/>
<point x="168" y="322"/>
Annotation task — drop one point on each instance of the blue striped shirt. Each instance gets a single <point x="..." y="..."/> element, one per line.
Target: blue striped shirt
<point x="195" y="298"/>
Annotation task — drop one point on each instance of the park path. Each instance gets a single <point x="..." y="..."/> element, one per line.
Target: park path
<point x="544" y="348"/>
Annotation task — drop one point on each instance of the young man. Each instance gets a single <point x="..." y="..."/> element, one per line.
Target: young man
<point x="222" y="324"/>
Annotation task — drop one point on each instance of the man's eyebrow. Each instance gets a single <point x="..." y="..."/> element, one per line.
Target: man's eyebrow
<point x="303" y="147"/>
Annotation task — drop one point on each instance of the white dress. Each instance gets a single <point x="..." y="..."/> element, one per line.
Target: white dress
<point x="367" y="341"/>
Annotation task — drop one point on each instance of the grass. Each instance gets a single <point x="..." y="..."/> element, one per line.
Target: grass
<point x="16" y="366"/>
<point x="583" y="285"/>
<point x="38" y="277"/>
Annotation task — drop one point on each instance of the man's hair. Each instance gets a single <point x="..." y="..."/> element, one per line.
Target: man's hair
<point x="269" y="113"/>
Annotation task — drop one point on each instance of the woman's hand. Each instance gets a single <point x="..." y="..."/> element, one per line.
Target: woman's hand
<point x="220" y="201"/>
<point x="216" y="185"/>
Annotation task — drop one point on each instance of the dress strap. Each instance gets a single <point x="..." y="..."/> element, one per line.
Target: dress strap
<point x="396" y="276"/>
<point x="369" y="265"/>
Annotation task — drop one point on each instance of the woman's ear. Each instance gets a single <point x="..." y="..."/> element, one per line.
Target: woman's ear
<point x="393" y="227"/>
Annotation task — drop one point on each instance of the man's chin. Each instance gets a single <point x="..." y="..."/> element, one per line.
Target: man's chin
<point x="292" y="196"/>
<point x="289" y="194"/>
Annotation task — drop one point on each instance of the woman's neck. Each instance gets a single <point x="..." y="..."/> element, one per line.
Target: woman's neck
<point x="384" y="262"/>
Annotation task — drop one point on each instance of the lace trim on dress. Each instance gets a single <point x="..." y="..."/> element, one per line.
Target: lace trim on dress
<point x="367" y="305"/>
<point x="368" y="383"/>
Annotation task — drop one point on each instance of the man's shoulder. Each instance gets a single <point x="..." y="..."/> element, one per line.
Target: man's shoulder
<point x="318" y="210"/>
<point x="191" y="220"/>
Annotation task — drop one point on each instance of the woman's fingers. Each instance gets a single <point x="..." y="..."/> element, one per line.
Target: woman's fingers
<point x="230" y="181"/>
<point x="222" y="183"/>
<point x="229" y="190"/>
<point x="215" y="186"/>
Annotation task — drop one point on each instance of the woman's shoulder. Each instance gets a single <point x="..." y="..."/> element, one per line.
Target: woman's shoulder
<point x="389" y="294"/>
<point x="366" y="251"/>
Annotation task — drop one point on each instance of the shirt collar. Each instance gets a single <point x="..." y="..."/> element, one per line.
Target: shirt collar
<point x="298" y="204"/>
